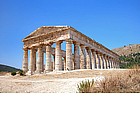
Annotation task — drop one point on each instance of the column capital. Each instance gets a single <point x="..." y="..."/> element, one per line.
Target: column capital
<point x="97" y="52"/>
<point x="59" y="42"/>
<point x="39" y="48"/>
<point x="101" y="54"/>
<point x="69" y="41"/>
<point x="105" y="55"/>
<point x="25" y="49"/>
<point x="82" y="46"/>
<point x="32" y="48"/>
<point x="76" y="43"/>
<point x="88" y="48"/>
<point x="49" y="44"/>
<point x="93" y="50"/>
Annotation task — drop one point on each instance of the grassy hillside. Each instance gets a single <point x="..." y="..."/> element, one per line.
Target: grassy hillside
<point x="5" y="68"/>
<point x="130" y="61"/>
<point x="129" y="55"/>
<point x="126" y="50"/>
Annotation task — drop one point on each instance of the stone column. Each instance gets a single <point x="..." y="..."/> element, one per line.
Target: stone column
<point x="25" y="60"/>
<point x="64" y="63"/>
<point x="53" y="62"/>
<point x="118" y="64"/>
<point x="93" y="59"/>
<point x="113" y="63"/>
<point x="105" y="61"/>
<point x="101" y="61"/>
<point x="88" y="60"/>
<point x="110" y="62"/>
<point x="85" y="58"/>
<point x="42" y="61"/>
<point x="68" y="54"/>
<point x="58" y="56"/>
<point x="48" y="58"/>
<point x="107" y="64"/>
<point x="76" y="56"/>
<point x="34" y="60"/>
<point x="82" y="57"/>
<point x="39" y="60"/>
<point x="97" y="60"/>
<point x="72" y="63"/>
<point x="31" y="62"/>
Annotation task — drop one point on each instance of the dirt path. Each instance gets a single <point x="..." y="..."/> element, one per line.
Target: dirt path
<point x="54" y="82"/>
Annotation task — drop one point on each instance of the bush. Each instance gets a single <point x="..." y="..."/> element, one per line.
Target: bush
<point x="128" y="82"/>
<point x="21" y="73"/>
<point x="85" y="86"/>
<point x="130" y="60"/>
<point x="13" y="73"/>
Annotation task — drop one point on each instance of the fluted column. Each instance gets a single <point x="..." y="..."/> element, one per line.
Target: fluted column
<point x="73" y="63"/>
<point x="53" y="62"/>
<point x="68" y="54"/>
<point x="88" y="59"/>
<point x="25" y="60"/>
<point x="76" y="56"/>
<point x="31" y="61"/>
<point x="39" y="60"/>
<point x="82" y="57"/>
<point x="42" y="61"/>
<point x="34" y="60"/>
<point x="101" y="61"/>
<point x="64" y="63"/>
<point x="97" y="60"/>
<point x="110" y="63"/>
<point x="114" y="63"/>
<point x="105" y="61"/>
<point x="58" y="56"/>
<point x="48" y="58"/>
<point x="118" y="64"/>
<point x="93" y="59"/>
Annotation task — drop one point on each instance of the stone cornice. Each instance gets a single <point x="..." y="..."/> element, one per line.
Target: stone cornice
<point x="26" y="39"/>
<point x="72" y="34"/>
<point x="93" y="41"/>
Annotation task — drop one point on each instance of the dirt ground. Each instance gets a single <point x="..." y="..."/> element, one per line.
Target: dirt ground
<point x="53" y="82"/>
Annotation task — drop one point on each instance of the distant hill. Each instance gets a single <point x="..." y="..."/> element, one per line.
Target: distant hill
<point x="126" y="50"/>
<point x="129" y="55"/>
<point x="5" y="68"/>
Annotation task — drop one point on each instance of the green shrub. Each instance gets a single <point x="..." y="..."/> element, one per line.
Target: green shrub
<point x="86" y="86"/>
<point x="13" y="73"/>
<point x="21" y="73"/>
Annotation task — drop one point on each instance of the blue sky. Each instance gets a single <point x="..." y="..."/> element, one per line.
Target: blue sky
<point x="113" y="23"/>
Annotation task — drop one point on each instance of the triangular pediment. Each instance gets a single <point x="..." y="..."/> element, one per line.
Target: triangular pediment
<point x="46" y="30"/>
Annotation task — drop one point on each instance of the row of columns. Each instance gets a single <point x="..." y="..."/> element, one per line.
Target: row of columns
<point x="85" y="58"/>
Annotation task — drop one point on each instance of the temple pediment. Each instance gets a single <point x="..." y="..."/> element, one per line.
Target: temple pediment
<point x="44" y="30"/>
<point x="52" y="34"/>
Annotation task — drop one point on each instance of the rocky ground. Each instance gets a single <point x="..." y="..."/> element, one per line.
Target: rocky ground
<point x="53" y="82"/>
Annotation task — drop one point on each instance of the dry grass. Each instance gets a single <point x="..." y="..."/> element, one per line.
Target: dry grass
<point x="128" y="82"/>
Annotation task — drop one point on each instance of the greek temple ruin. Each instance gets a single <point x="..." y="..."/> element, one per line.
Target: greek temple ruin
<point x="82" y="52"/>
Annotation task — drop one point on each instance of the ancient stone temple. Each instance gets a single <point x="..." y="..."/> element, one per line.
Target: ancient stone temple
<point x="81" y="51"/>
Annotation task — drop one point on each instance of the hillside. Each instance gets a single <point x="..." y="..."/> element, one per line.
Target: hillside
<point x="129" y="55"/>
<point x="5" y="68"/>
<point x="126" y="50"/>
